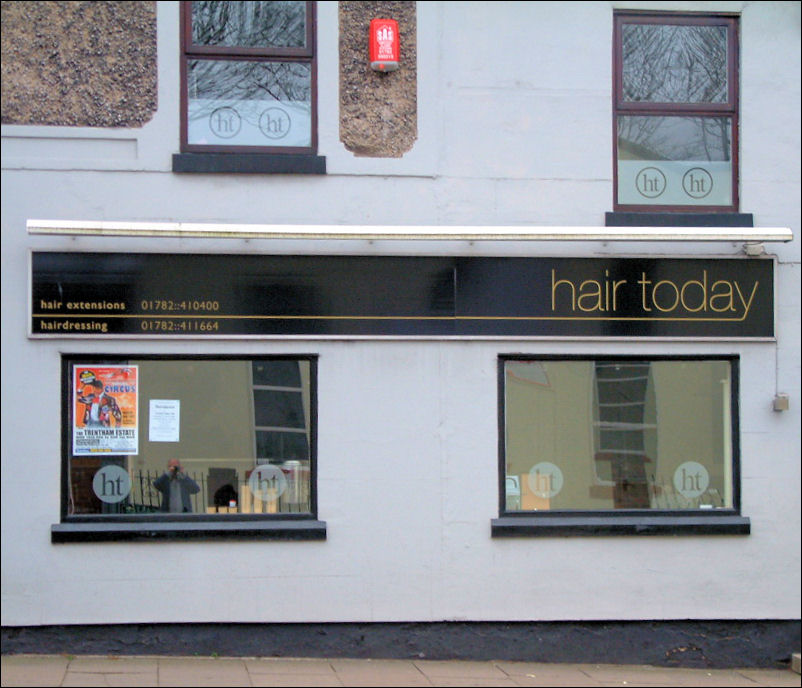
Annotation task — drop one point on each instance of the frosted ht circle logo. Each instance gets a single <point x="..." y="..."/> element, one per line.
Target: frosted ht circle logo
<point x="111" y="484"/>
<point x="650" y="182"/>
<point x="691" y="479"/>
<point x="225" y="122"/>
<point x="267" y="483"/>
<point x="275" y="123"/>
<point x="697" y="182"/>
<point x="545" y="479"/>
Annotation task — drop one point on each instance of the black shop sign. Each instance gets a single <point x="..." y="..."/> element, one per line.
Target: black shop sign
<point x="173" y="295"/>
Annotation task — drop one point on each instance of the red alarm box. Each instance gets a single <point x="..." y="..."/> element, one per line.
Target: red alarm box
<point x="385" y="47"/>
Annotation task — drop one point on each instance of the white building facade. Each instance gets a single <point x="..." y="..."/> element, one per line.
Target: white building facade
<point x="525" y="260"/>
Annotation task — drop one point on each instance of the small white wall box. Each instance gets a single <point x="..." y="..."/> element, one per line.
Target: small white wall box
<point x="781" y="402"/>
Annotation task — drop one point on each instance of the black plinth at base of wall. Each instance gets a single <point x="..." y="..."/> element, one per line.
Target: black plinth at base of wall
<point x="693" y="644"/>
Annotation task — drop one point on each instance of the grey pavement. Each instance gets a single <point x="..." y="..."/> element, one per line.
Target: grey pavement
<point x="94" y="670"/>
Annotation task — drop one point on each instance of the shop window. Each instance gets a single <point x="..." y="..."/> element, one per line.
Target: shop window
<point x="188" y="447"/>
<point x="676" y="112"/>
<point x="248" y="85"/>
<point x="618" y="445"/>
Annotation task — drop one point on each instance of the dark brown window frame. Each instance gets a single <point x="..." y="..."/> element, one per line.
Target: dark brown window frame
<point x="730" y="109"/>
<point x="191" y="51"/>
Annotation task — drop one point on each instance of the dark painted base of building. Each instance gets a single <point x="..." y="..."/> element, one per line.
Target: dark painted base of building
<point x="699" y="644"/>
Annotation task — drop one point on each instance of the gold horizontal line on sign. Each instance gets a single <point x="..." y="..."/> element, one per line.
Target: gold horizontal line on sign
<point x="169" y="316"/>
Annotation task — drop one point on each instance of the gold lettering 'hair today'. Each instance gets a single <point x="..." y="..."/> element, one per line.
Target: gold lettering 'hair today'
<point x="665" y="296"/>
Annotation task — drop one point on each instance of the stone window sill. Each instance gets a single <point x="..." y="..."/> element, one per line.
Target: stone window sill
<point x="562" y="525"/>
<point x="664" y="219"/>
<point x="248" y="163"/>
<point x="283" y="529"/>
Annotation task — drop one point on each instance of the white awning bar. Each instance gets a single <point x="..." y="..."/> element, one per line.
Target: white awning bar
<point x="406" y="233"/>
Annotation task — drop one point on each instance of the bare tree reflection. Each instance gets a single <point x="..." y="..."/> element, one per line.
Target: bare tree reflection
<point x="674" y="138"/>
<point x="241" y="80"/>
<point x="249" y="24"/>
<point x="674" y="64"/>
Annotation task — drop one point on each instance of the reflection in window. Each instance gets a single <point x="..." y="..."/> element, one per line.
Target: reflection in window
<point x="617" y="434"/>
<point x="621" y="431"/>
<point x="249" y="24"/>
<point x="249" y="103"/>
<point x="195" y="436"/>
<point x="700" y="139"/>
<point x="674" y="64"/>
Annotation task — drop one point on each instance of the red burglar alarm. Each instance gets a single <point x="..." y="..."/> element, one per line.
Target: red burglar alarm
<point x="384" y="45"/>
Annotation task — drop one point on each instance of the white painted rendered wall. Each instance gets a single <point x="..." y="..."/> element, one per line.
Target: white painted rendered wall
<point x="514" y="128"/>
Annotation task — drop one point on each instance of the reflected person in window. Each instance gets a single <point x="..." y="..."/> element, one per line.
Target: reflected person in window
<point x="176" y="488"/>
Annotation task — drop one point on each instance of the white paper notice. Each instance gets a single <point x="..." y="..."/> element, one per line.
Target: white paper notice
<point x="164" y="420"/>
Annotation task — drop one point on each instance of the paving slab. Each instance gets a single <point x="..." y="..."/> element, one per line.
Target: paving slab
<point x="646" y="675"/>
<point x="446" y="669"/>
<point x="451" y="681"/>
<point x="33" y="670"/>
<point x="772" y="677"/>
<point x="310" y="680"/>
<point x="270" y="671"/>
<point x="557" y="679"/>
<point x="539" y="674"/>
<point x="94" y="664"/>
<point x="275" y="665"/>
<point x="78" y="678"/>
<point x="378" y="672"/>
<point x="203" y="671"/>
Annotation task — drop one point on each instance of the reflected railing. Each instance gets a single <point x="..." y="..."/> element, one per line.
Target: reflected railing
<point x="235" y="497"/>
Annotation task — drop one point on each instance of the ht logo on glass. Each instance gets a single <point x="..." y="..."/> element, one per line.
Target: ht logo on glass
<point x="267" y="483"/>
<point x="225" y="122"/>
<point x="545" y="479"/>
<point x="111" y="484"/>
<point x="697" y="182"/>
<point x="274" y="123"/>
<point x="691" y="479"/>
<point x="650" y="182"/>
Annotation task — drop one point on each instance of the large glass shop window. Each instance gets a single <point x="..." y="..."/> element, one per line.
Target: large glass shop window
<point x="618" y="434"/>
<point x="190" y="436"/>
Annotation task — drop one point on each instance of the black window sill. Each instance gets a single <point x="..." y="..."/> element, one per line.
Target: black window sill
<point x="663" y="219"/>
<point x="561" y="526"/>
<point x="298" y="529"/>
<point x="248" y="163"/>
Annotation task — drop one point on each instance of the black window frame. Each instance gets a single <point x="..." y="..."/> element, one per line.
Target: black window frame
<point x="730" y="109"/>
<point x="150" y="527"/>
<point x="559" y="523"/>
<point x="248" y="159"/>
